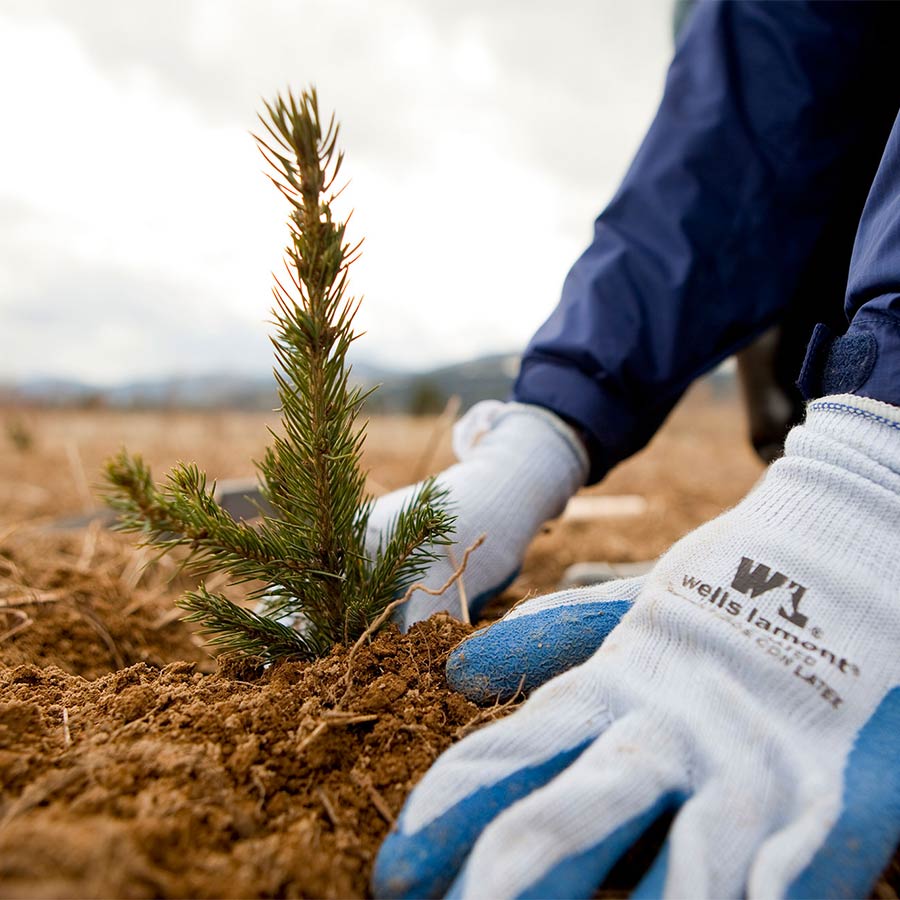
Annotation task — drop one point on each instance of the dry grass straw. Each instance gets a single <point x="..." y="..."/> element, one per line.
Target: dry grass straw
<point x="76" y="464"/>
<point x="442" y="425"/>
<point x="24" y="621"/>
<point x="375" y="797"/>
<point x="92" y="573"/>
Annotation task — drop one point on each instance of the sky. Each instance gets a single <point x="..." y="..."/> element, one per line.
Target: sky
<point x="138" y="232"/>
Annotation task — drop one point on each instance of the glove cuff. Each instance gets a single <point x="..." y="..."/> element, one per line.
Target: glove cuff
<point x="484" y="417"/>
<point x="859" y="433"/>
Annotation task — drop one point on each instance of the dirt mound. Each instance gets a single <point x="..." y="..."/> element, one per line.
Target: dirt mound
<point x="165" y="782"/>
<point x="88" y="603"/>
<point x="161" y="777"/>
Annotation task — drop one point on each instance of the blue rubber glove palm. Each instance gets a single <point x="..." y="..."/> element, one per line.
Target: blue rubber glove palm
<point x="539" y="639"/>
<point x="753" y="688"/>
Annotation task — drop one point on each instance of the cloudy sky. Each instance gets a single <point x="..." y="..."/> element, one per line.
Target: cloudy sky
<point x="138" y="233"/>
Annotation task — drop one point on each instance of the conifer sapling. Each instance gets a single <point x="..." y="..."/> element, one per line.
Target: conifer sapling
<point x="311" y="554"/>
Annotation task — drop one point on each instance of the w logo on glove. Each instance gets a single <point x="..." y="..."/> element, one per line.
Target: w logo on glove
<point x="755" y="578"/>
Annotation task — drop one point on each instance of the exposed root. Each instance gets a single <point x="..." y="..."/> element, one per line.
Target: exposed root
<point x="497" y="711"/>
<point x="396" y="604"/>
<point x="339" y="716"/>
<point x="461" y="587"/>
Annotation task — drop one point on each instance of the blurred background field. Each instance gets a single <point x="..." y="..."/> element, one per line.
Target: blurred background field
<point x="101" y="603"/>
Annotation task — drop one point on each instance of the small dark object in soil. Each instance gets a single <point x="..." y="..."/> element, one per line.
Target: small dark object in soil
<point x="166" y="782"/>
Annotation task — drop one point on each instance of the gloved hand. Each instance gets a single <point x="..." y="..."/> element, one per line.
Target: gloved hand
<point x="518" y="466"/>
<point x="753" y="687"/>
<point x="539" y="639"/>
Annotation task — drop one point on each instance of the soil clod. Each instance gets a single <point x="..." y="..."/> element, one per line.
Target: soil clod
<point x="166" y="782"/>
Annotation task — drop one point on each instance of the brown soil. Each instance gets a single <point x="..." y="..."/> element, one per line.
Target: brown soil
<point x="165" y="782"/>
<point x="89" y="604"/>
<point x="130" y="766"/>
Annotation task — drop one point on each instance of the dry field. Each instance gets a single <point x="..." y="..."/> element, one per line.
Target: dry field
<point x="130" y="766"/>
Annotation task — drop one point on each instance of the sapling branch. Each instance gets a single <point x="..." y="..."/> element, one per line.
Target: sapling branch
<point x="312" y="551"/>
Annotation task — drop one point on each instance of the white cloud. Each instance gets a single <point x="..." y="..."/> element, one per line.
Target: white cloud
<point x="481" y="142"/>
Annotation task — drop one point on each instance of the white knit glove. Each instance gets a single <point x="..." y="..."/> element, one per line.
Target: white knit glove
<point x="753" y="687"/>
<point x="518" y="466"/>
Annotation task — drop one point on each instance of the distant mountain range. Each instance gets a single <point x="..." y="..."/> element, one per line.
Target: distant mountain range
<point x="417" y="392"/>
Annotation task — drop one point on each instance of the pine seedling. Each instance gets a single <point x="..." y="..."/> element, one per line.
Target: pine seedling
<point x="311" y="553"/>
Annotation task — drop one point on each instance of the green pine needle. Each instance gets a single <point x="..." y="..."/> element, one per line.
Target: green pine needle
<point x="312" y="551"/>
<point x="236" y="630"/>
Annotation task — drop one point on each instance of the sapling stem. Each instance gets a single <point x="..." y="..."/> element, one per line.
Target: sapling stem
<point x="311" y="554"/>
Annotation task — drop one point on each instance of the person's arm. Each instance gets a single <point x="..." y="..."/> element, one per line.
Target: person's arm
<point x="866" y="360"/>
<point x="764" y="109"/>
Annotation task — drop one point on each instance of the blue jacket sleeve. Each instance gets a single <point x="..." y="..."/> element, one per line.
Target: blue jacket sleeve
<point x="866" y="359"/>
<point x="702" y="245"/>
